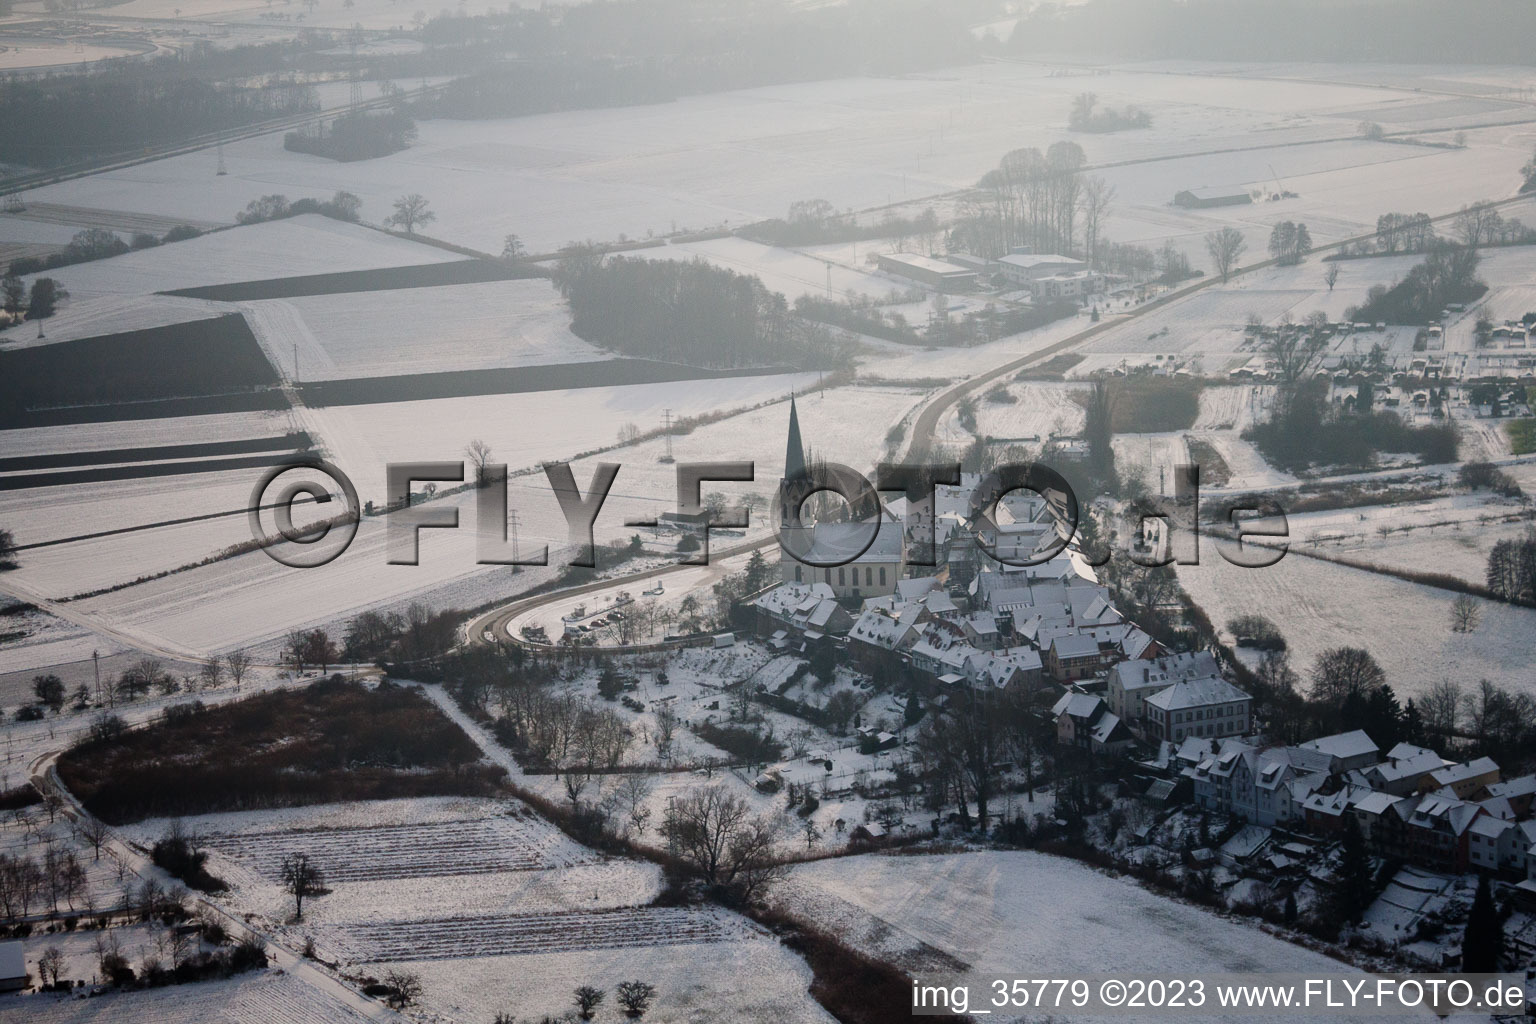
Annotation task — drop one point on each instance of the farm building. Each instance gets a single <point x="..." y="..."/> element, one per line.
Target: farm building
<point x="945" y="276"/>
<point x="1205" y="198"/>
<point x="1022" y="269"/>
<point x="13" y="968"/>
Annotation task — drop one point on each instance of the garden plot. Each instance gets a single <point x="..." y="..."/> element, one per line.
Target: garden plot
<point x="418" y="330"/>
<point x="1232" y="408"/>
<point x="989" y="909"/>
<point x="309" y="244"/>
<point x="46" y="641"/>
<point x="1319" y="605"/>
<point x="461" y="938"/>
<point x="385" y="852"/>
<point x="1038" y="411"/>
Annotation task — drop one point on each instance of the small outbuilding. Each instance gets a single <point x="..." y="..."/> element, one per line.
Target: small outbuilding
<point x="13" y="968"/>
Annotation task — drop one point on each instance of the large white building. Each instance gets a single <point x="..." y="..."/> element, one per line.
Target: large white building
<point x="1198" y="707"/>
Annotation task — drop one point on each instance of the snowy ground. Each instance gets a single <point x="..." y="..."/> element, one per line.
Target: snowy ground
<point x="742" y="156"/>
<point x="1318" y="605"/>
<point x="1008" y="914"/>
<point x="418" y="330"/>
<point x="308" y="244"/>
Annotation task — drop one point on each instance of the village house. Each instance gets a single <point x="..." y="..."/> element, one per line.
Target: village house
<point x="1198" y="707"/>
<point x="1132" y="682"/>
<point x="1085" y="721"/>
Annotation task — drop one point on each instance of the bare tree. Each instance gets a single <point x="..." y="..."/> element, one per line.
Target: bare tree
<point x="95" y="832"/>
<point x="238" y="662"/>
<point x="301" y="879"/>
<point x="411" y="212"/>
<point x="587" y="1000"/>
<point x="479" y="455"/>
<point x="635" y="997"/>
<point x="50" y="964"/>
<point x="1441" y="708"/>
<point x="1097" y="195"/>
<point x="1466" y="613"/>
<point x="1340" y="671"/>
<point x="211" y="675"/>
<point x="1295" y="354"/>
<point x="666" y="726"/>
<point x="634" y="791"/>
<point x="1225" y="247"/>
<point x="1331" y="275"/>
<point x="715" y="831"/>
<point x="404" y="988"/>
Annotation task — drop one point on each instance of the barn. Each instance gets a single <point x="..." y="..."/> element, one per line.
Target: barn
<point x="1205" y="198"/>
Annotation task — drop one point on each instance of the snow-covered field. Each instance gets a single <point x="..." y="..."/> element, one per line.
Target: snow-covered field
<point x="250" y="598"/>
<point x="308" y="244"/>
<point x="1405" y="626"/>
<point x="741" y="156"/>
<point x="248" y="999"/>
<point x="792" y="272"/>
<point x="1007" y="914"/>
<point x="418" y="330"/>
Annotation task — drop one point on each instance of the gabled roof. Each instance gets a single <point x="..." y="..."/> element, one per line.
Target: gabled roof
<point x="1344" y="744"/>
<point x="1075" y="645"/>
<point x="1078" y="705"/>
<point x="1452" y="774"/>
<point x="1196" y="693"/>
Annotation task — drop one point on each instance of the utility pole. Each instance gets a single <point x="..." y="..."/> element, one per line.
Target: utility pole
<point x="512" y="528"/>
<point x="667" y="432"/>
<point x="295" y="362"/>
<point x="96" y="664"/>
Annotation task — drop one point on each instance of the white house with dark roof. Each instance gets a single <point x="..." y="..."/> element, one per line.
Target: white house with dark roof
<point x="1132" y="682"/>
<point x="1198" y="707"/>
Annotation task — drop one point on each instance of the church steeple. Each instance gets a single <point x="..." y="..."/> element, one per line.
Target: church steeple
<point x="794" y="452"/>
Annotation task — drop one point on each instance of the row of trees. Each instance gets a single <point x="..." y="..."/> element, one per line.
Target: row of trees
<point x="37" y="303"/>
<point x="341" y="206"/>
<point x="1347" y="688"/>
<point x="138" y="679"/>
<point x="1511" y="572"/>
<point x="1038" y="200"/>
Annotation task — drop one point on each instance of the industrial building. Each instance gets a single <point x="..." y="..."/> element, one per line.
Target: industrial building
<point x="946" y="277"/>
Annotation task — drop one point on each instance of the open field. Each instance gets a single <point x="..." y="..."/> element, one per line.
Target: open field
<point x="307" y="244"/>
<point x="994" y="911"/>
<point x="1318" y="606"/>
<point x="742" y="156"/>
<point x="458" y="327"/>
